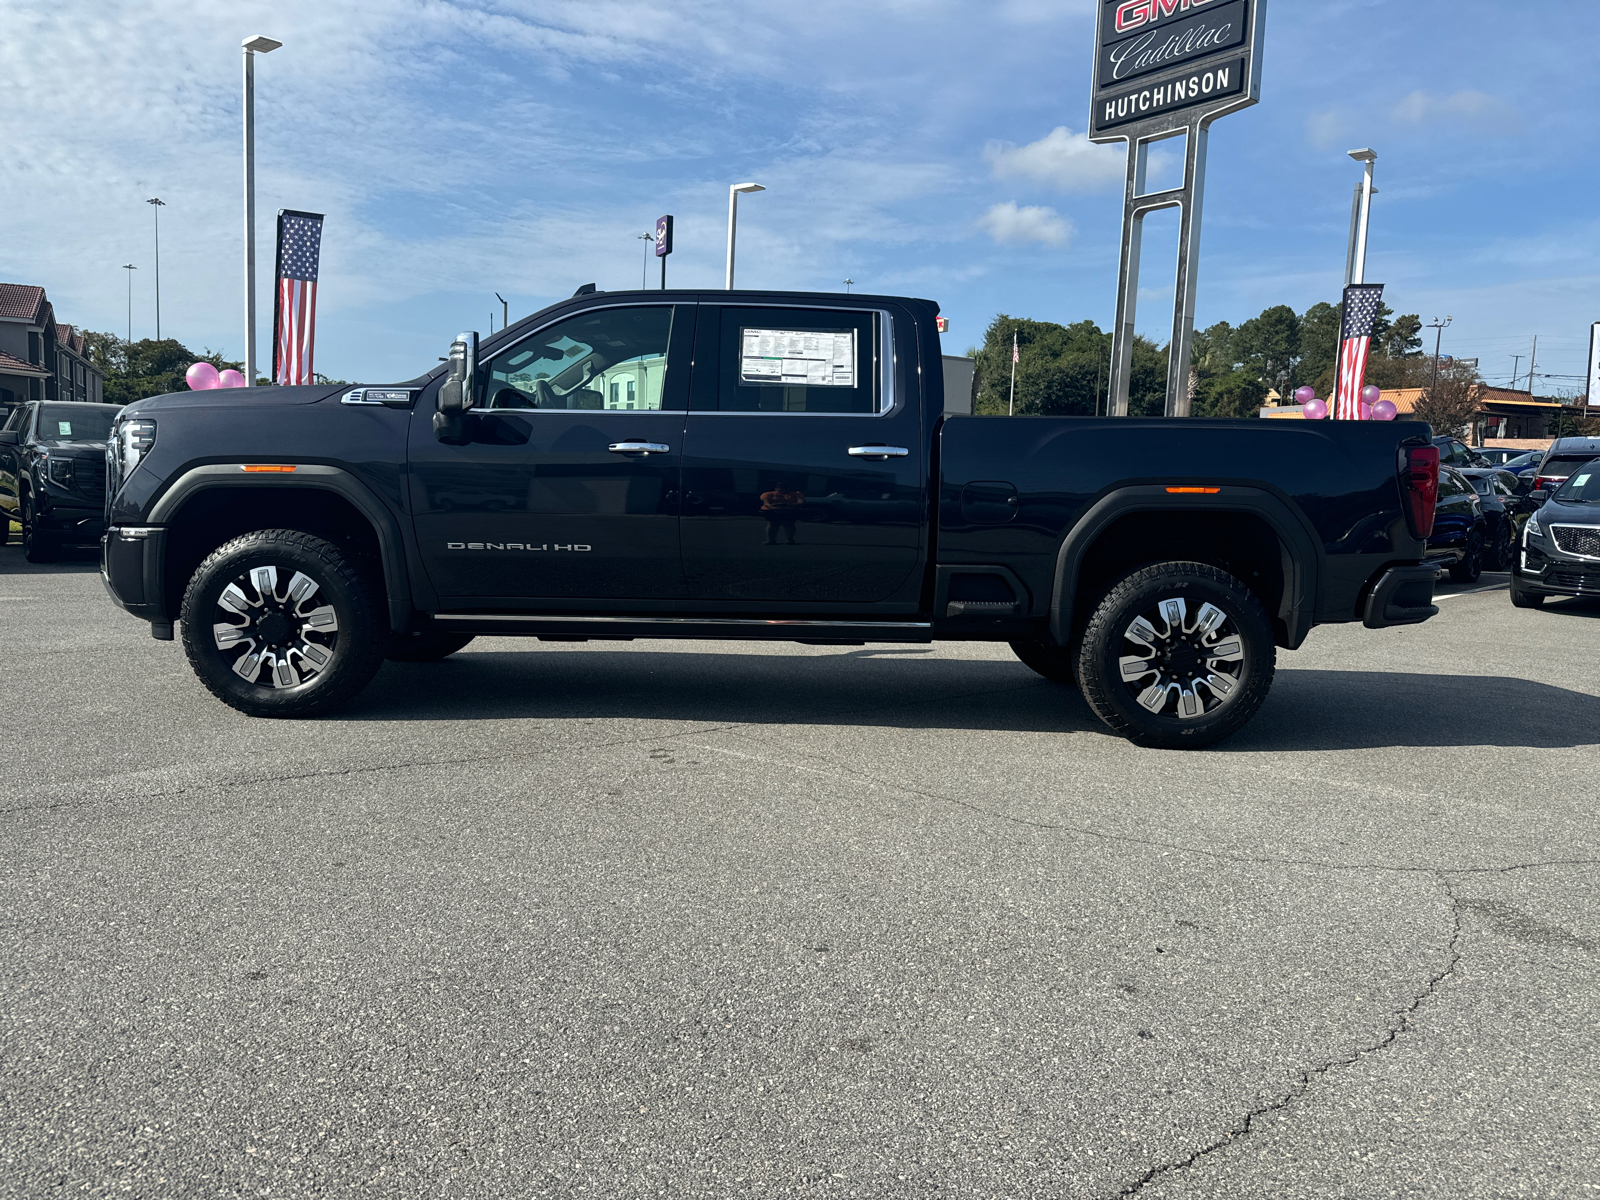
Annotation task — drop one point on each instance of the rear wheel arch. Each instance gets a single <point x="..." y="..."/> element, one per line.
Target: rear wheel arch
<point x="1247" y="531"/>
<point x="208" y="506"/>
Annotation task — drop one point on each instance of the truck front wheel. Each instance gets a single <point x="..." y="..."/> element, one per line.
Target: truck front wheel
<point x="278" y="623"/>
<point x="1177" y="655"/>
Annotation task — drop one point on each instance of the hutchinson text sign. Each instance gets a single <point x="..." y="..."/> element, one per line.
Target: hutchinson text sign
<point x="1158" y="60"/>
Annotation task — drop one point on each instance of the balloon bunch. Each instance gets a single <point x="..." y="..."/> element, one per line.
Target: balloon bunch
<point x="202" y="376"/>
<point x="1373" y="407"/>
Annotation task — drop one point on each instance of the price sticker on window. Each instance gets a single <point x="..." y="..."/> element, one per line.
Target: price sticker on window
<point x="64" y="428"/>
<point x="803" y="357"/>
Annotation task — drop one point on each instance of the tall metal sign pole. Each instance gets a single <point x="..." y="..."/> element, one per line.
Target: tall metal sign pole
<point x="1165" y="68"/>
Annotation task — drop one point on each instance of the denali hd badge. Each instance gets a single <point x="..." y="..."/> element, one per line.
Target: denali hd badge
<point x="574" y="546"/>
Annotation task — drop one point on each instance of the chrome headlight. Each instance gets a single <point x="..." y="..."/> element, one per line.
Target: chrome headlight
<point x="131" y="440"/>
<point x="1532" y="527"/>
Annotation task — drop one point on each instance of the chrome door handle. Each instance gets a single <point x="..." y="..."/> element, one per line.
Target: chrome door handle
<point x="640" y="448"/>
<point x="878" y="452"/>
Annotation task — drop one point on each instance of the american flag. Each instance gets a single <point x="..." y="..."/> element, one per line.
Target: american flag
<point x="1361" y="304"/>
<point x="294" y="321"/>
<point x="1014" y="357"/>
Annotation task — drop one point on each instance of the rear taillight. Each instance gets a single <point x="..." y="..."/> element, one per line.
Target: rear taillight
<point x="1419" y="468"/>
<point x="1548" y="482"/>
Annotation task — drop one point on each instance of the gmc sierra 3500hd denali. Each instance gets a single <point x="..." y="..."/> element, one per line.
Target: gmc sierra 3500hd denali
<point x="751" y="465"/>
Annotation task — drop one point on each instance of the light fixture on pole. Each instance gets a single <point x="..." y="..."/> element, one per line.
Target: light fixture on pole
<point x="848" y="283"/>
<point x="644" y="268"/>
<point x="1356" y="260"/>
<point x="256" y="44"/>
<point x="1439" y="328"/>
<point x="130" y="269"/>
<point x="505" y="311"/>
<point x="158" y="204"/>
<point x="733" y="219"/>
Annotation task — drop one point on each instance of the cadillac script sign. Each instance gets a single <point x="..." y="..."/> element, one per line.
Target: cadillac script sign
<point x="1164" y="58"/>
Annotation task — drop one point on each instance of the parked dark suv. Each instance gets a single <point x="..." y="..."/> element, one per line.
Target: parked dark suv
<point x="1460" y="531"/>
<point x="53" y="475"/>
<point x="1561" y="542"/>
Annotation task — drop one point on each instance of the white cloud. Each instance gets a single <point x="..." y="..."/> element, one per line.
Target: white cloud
<point x="1061" y="159"/>
<point x="1010" y="225"/>
<point x="1328" y="128"/>
<point x="1475" y="110"/>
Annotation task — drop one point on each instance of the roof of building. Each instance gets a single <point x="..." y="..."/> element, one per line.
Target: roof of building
<point x="70" y="337"/>
<point x="11" y="365"/>
<point x="23" y="302"/>
<point x="1405" y="401"/>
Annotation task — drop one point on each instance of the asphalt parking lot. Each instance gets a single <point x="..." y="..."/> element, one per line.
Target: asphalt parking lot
<point x="704" y="919"/>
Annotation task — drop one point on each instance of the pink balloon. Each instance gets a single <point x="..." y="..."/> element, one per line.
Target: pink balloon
<point x="1384" y="410"/>
<point x="202" y="376"/>
<point x="230" y="378"/>
<point x="1366" y="411"/>
<point x="1316" y="409"/>
<point x="1305" y="394"/>
<point x="1371" y="394"/>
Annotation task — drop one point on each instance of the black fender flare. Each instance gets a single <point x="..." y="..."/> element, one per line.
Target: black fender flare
<point x="391" y="545"/>
<point x="1296" y="535"/>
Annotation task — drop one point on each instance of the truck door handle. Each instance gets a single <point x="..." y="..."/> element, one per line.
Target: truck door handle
<point x="643" y="449"/>
<point x="877" y="452"/>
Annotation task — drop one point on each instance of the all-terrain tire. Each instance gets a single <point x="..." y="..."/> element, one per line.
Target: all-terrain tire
<point x="37" y="546"/>
<point x="1055" y="663"/>
<point x="328" y="652"/>
<point x="429" y="646"/>
<point x="1218" y="647"/>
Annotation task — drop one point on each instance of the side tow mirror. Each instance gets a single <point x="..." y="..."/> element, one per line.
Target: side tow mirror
<point x="459" y="387"/>
<point x="10" y="437"/>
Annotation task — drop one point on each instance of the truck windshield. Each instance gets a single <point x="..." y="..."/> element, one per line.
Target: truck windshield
<point x="74" y="423"/>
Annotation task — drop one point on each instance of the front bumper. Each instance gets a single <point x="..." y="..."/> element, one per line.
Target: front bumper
<point x="71" y="524"/>
<point x="1402" y="596"/>
<point x="132" y="561"/>
<point x="1539" y="572"/>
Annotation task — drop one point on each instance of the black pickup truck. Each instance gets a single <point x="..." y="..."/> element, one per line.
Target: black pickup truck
<point x="751" y="465"/>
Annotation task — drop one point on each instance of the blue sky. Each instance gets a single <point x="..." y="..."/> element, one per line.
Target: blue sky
<point x="929" y="147"/>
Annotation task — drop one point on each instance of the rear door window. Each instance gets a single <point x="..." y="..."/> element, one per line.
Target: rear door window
<point x="789" y="360"/>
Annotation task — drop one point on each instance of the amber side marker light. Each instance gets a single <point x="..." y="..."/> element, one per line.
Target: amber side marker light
<point x="270" y="467"/>
<point x="1193" y="491"/>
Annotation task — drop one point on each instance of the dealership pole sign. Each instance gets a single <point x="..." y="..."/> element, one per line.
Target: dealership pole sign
<point x="1593" y="390"/>
<point x="1165" y="68"/>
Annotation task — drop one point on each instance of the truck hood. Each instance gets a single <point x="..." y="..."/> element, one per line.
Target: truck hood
<point x="256" y="397"/>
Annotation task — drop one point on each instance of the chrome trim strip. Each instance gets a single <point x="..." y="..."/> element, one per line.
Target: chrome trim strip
<point x="134" y="532"/>
<point x="683" y="621"/>
<point x="877" y="452"/>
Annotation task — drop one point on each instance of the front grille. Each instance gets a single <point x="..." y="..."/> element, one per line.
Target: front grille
<point x="1577" y="539"/>
<point x="1589" y="585"/>
<point x="89" y="476"/>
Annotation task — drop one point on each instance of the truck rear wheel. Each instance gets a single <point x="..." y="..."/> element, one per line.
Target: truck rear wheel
<point x="278" y="623"/>
<point x="1053" y="662"/>
<point x="1177" y="655"/>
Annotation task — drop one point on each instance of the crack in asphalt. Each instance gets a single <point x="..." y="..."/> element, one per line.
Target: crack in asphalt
<point x="1400" y="1023"/>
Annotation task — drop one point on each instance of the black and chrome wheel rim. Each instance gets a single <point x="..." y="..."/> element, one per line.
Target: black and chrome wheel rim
<point x="278" y="637"/>
<point x="1181" y="666"/>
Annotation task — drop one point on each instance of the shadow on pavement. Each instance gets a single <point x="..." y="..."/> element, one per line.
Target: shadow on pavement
<point x="75" y="561"/>
<point x="898" y="688"/>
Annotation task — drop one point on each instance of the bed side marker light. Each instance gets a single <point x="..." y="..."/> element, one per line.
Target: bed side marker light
<point x="272" y="468"/>
<point x="1192" y="491"/>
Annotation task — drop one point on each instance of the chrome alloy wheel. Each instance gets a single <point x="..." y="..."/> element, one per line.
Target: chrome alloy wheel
<point x="1184" y="668"/>
<point x="285" y="639"/>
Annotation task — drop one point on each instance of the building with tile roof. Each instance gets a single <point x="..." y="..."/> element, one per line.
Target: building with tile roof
<point x="1507" y="418"/>
<point x="39" y="358"/>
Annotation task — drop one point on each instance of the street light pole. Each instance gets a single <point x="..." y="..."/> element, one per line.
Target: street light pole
<point x="1358" y="272"/>
<point x="1437" y="337"/>
<point x="256" y="44"/>
<point x="505" y="311"/>
<point x="158" y="204"/>
<point x="644" y="267"/>
<point x="733" y="219"/>
<point x="130" y="269"/>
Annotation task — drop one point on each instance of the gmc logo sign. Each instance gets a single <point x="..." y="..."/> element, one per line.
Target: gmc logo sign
<point x="1136" y="14"/>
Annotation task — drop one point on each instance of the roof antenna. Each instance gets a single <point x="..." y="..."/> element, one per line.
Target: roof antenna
<point x="587" y="289"/>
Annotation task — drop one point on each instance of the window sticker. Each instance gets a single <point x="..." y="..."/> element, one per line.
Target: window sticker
<point x="1580" y="481"/>
<point x="798" y="357"/>
<point x="64" y="428"/>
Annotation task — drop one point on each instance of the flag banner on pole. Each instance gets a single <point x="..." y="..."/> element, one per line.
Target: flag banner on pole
<point x="1014" y="357"/>
<point x="1361" y="304"/>
<point x="294" y="317"/>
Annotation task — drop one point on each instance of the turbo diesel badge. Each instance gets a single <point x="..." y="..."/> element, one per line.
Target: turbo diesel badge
<point x="575" y="547"/>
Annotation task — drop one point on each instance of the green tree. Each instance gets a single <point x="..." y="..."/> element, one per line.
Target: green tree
<point x="145" y="368"/>
<point x="1061" y="369"/>
<point x="1238" y="393"/>
<point x="1269" y="346"/>
<point x="1319" y="342"/>
<point x="1404" y="337"/>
